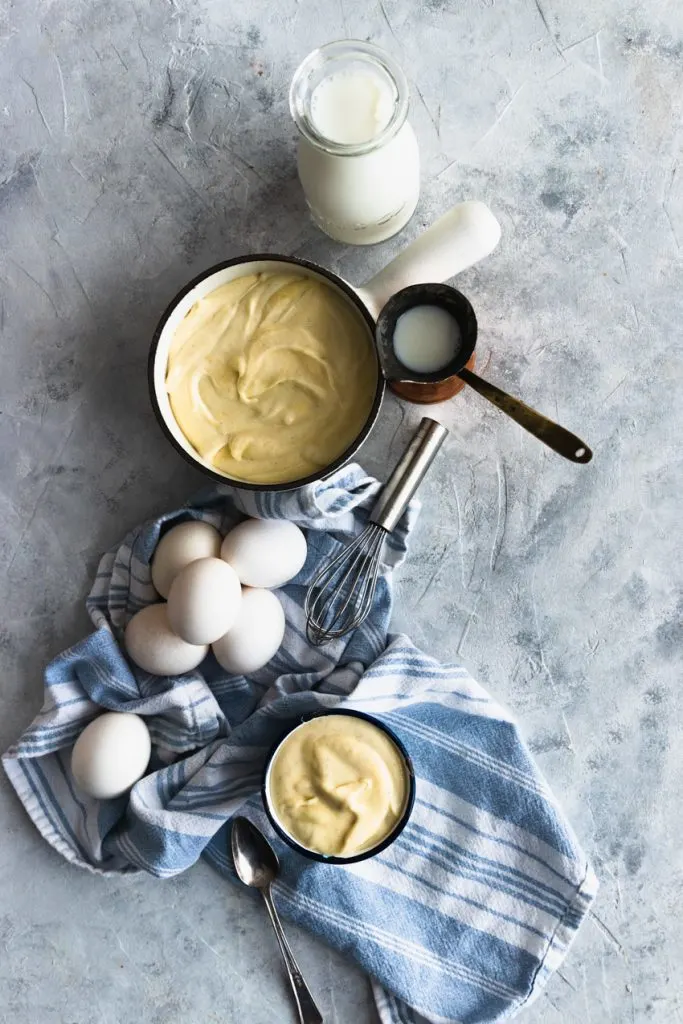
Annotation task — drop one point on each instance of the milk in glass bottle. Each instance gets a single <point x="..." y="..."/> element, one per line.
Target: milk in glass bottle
<point x="358" y="158"/>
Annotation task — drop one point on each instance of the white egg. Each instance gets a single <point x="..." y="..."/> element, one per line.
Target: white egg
<point x="255" y="636"/>
<point x="265" y="552"/>
<point x="183" y="544"/>
<point x="153" y="645"/>
<point x="111" y="754"/>
<point x="204" y="601"/>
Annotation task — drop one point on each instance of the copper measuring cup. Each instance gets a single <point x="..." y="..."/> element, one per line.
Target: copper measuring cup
<point x="446" y="382"/>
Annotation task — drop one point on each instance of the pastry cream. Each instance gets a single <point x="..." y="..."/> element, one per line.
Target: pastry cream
<point x="271" y="377"/>
<point x="338" y="785"/>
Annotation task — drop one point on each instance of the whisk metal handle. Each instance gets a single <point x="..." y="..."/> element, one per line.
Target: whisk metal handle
<point x="409" y="474"/>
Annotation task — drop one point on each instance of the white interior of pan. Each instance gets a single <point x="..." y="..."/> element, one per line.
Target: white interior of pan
<point x="209" y="284"/>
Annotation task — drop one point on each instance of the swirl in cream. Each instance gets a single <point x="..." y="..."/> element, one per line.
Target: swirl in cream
<point x="271" y="377"/>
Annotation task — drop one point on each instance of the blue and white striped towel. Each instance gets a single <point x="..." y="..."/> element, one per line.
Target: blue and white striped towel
<point x="462" y="919"/>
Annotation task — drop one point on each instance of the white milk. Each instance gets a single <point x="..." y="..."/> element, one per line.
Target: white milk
<point x="358" y="158"/>
<point x="426" y="338"/>
<point x="362" y="199"/>
<point x="352" y="106"/>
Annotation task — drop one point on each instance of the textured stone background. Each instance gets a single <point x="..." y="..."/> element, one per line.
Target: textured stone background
<point x="142" y="141"/>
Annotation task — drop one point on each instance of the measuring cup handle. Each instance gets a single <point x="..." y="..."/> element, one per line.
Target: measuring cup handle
<point x="550" y="433"/>
<point x="462" y="237"/>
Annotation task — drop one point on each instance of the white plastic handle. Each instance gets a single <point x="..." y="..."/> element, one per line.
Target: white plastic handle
<point x="456" y="241"/>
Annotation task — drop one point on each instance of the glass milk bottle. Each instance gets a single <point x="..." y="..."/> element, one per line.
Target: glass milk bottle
<point x="358" y="160"/>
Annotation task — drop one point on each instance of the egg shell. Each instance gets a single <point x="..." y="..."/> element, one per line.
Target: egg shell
<point x="183" y="544"/>
<point x="265" y="552"/>
<point x="204" y="601"/>
<point x="111" y="754"/>
<point x="255" y="636"/>
<point x="152" y="644"/>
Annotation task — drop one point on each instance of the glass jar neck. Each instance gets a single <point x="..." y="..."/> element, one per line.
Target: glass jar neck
<point x="347" y="58"/>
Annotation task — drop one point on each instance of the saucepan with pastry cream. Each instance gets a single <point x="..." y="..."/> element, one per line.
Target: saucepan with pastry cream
<point x="264" y="372"/>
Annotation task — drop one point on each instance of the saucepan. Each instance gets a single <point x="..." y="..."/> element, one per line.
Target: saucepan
<point x="459" y="239"/>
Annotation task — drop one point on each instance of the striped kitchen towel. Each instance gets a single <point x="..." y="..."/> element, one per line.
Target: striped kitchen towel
<point x="463" y="918"/>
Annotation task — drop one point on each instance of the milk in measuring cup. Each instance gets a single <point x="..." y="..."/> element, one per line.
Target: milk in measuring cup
<point x="426" y="339"/>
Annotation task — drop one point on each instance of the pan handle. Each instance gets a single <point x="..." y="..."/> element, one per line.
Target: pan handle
<point x="463" y="236"/>
<point x="556" y="437"/>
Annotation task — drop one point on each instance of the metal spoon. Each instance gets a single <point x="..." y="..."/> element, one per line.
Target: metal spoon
<point x="257" y="865"/>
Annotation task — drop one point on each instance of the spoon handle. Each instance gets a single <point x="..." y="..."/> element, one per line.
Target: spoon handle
<point x="556" y="437"/>
<point x="308" y="1011"/>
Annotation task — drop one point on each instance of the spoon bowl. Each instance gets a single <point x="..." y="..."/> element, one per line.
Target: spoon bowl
<point x="255" y="860"/>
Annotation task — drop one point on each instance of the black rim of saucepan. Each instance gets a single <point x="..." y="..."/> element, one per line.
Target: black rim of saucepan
<point x="400" y="824"/>
<point x="442" y="295"/>
<point x="347" y="454"/>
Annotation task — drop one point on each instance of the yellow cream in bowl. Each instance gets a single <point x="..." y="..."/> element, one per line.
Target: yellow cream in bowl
<point x="338" y="785"/>
<point x="271" y="377"/>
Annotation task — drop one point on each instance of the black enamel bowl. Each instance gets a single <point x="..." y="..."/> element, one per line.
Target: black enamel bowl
<point x="396" y="830"/>
<point x="202" y="285"/>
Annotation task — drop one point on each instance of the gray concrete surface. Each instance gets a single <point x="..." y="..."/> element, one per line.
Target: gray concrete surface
<point x="142" y="141"/>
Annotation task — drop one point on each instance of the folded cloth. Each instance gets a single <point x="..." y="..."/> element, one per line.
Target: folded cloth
<point x="461" y="919"/>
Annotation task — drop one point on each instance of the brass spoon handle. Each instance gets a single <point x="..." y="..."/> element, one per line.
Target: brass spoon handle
<point x="308" y="1011"/>
<point x="556" y="437"/>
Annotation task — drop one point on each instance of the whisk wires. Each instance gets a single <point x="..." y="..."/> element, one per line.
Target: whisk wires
<point x="340" y="596"/>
